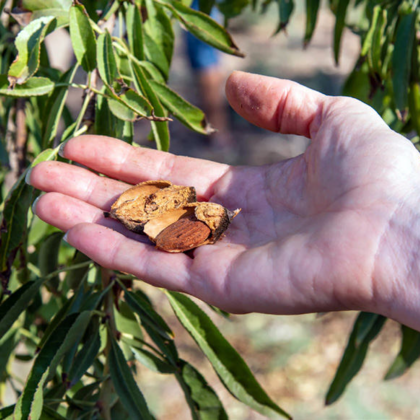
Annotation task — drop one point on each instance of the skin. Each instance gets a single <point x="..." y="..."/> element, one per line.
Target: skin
<point x="335" y="228"/>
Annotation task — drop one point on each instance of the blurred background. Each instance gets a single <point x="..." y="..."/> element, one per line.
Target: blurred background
<point x="293" y="357"/>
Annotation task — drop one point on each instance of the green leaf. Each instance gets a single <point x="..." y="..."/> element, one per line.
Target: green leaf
<point x="340" y="21"/>
<point x="73" y="302"/>
<point x="152" y="362"/>
<point x="204" y="28"/>
<point x="203" y="401"/>
<point x="191" y="116"/>
<point x="50" y="414"/>
<point x="36" y="86"/>
<point x="158" y="26"/>
<point x="82" y="37"/>
<point x="137" y="103"/>
<point x="28" y="44"/>
<point x="401" y="62"/>
<point x="231" y="8"/>
<point x="229" y="365"/>
<point x="127" y="134"/>
<point x="125" y="385"/>
<point x="205" y="6"/>
<point x="75" y="277"/>
<point x="414" y="105"/>
<point x="286" y="8"/>
<point x="135" y="31"/>
<point x="30" y="403"/>
<point x="55" y="106"/>
<point x="156" y="55"/>
<point x="355" y="353"/>
<point x="15" y="215"/>
<point x="48" y="258"/>
<point x="7" y="412"/>
<point x="312" y="8"/>
<point x="120" y="110"/>
<point x="14" y="222"/>
<point x="126" y="322"/>
<point x="107" y="64"/>
<point x="105" y="122"/>
<point x="409" y="353"/>
<point x="147" y="314"/>
<point x="87" y="355"/>
<point x="56" y="8"/>
<point x="7" y="345"/>
<point x="160" y="129"/>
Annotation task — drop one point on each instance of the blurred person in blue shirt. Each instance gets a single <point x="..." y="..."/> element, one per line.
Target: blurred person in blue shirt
<point x="206" y="64"/>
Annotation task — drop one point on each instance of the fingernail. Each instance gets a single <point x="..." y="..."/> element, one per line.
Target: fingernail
<point x="35" y="203"/>
<point x="65" y="237"/>
<point x="62" y="147"/>
<point x="28" y="176"/>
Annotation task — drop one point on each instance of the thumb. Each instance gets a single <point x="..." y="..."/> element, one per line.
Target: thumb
<point x="288" y="107"/>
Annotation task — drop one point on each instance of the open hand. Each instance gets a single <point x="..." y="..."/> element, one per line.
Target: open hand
<point x="334" y="228"/>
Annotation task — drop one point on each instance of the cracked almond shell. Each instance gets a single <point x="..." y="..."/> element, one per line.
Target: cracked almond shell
<point x="148" y="200"/>
<point x="170" y="216"/>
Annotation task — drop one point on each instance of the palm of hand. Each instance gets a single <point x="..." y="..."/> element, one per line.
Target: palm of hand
<point x="311" y="230"/>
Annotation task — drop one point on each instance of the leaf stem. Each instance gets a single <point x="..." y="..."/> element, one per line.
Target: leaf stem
<point x="84" y="105"/>
<point x="72" y="267"/>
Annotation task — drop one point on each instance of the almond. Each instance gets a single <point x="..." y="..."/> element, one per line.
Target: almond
<point x="170" y="215"/>
<point x="183" y="235"/>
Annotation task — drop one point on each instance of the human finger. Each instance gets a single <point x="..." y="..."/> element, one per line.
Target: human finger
<point x="121" y="161"/>
<point x="64" y="212"/>
<point x="112" y="250"/>
<point x="76" y="182"/>
<point x="288" y="107"/>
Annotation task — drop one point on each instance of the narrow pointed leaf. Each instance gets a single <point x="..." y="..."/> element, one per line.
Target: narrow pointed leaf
<point x="87" y="354"/>
<point x="120" y="110"/>
<point x="75" y="277"/>
<point x="364" y="326"/>
<point x="28" y="46"/>
<point x="36" y="86"/>
<point x="409" y="353"/>
<point x="354" y="355"/>
<point x="231" y="8"/>
<point x="125" y="385"/>
<point x="15" y="213"/>
<point x="191" y="116"/>
<point x="30" y="403"/>
<point x="48" y="258"/>
<point x="7" y="412"/>
<point x="401" y="62"/>
<point x="312" y="8"/>
<point x="82" y="37"/>
<point x="229" y="365"/>
<point x="107" y="64"/>
<point x="156" y="55"/>
<point x="152" y="362"/>
<point x="339" y="26"/>
<point x="55" y="106"/>
<point x="160" y="128"/>
<point x="206" y="6"/>
<point x="57" y="8"/>
<point x="135" y="31"/>
<point x="203" y="401"/>
<point x="105" y="121"/>
<point x="147" y="314"/>
<point x="204" y="28"/>
<point x="158" y="26"/>
<point x="129" y="105"/>
<point x="126" y="322"/>
<point x="286" y="8"/>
